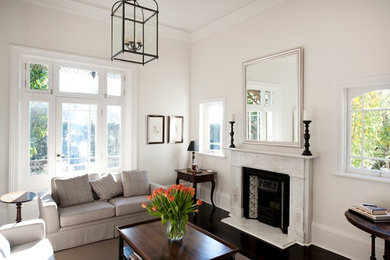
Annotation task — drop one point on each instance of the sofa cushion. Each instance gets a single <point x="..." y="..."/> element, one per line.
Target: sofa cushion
<point x="5" y="247"/>
<point x="74" y="191"/>
<point x="105" y="187"/>
<point x="36" y="250"/>
<point x="84" y="213"/>
<point x="124" y="206"/>
<point x="135" y="183"/>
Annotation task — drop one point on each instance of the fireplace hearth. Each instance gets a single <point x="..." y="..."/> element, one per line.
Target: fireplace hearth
<point x="266" y="197"/>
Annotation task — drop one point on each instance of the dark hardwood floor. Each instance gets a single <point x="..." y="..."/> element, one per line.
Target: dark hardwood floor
<point x="252" y="247"/>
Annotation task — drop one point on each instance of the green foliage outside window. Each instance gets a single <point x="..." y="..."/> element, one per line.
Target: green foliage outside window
<point x="370" y="130"/>
<point x="39" y="77"/>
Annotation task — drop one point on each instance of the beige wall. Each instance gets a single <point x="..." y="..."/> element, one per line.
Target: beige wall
<point x="163" y="84"/>
<point x="342" y="40"/>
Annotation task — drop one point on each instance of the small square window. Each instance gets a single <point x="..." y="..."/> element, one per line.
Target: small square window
<point x="38" y="77"/>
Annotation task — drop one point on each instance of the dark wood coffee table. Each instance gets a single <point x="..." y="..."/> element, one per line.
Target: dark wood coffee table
<point x="149" y="240"/>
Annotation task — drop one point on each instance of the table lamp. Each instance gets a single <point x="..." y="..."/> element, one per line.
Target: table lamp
<point x="193" y="147"/>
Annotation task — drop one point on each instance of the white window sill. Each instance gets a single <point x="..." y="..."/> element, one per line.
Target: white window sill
<point x="363" y="177"/>
<point x="213" y="155"/>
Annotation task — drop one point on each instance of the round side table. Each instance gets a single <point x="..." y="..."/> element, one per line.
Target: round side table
<point x="18" y="198"/>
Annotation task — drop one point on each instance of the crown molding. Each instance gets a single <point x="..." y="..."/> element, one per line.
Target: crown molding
<point x="237" y="16"/>
<point x="103" y="15"/>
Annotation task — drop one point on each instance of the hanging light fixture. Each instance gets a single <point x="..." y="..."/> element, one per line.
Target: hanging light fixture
<point x="134" y="32"/>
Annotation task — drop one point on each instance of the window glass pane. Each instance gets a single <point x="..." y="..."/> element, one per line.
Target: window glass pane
<point x="79" y="81"/>
<point x="39" y="112"/>
<point x="357" y="103"/>
<point x="113" y="136"/>
<point x="254" y="125"/>
<point x="253" y="97"/>
<point x="377" y="99"/>
<point x="356" y="133"/>
<point x="356" y="162"/>
<point x="78" y="137"/>
<point x="114" y="84"/>
<point x="375" y="164"/>
<point x="376" y="134"/>
<point x="39" y="76"/>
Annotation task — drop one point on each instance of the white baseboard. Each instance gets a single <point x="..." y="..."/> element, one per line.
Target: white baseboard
<point x="221" y="200"/>
<point x="355" y="246"/>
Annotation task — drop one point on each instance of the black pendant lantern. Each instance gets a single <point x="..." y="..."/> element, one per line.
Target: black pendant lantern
<point x="134" y="31"/>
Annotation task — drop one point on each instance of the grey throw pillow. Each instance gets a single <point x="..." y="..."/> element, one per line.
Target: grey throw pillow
<point x="118" y="180"/>
<point x="74" y="191"/>
<point x="106" y="187"/>
<point x="135" y="183"/>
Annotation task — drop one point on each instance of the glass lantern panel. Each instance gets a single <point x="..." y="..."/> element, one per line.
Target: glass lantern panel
<point x="150" y="37"/>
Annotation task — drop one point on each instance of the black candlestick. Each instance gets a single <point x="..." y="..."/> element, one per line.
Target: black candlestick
<point x="232" y="134"/>
<point x="307" y="138"/>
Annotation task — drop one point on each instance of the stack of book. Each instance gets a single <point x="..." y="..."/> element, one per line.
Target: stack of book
<point x="371" y="211"/>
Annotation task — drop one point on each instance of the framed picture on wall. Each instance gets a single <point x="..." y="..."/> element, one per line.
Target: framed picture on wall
<point x="175" y="129"/>
<point x="155" y="128"/>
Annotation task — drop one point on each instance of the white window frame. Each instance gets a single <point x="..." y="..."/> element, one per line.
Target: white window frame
<point x="349" y="90"/>
<point x="20" y="94"/>
<point x="202" y="150"/>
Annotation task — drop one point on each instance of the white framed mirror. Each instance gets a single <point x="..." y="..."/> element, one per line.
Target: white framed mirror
<point x="273" y="92"/>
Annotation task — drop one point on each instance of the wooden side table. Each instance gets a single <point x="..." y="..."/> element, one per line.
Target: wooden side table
<point x="197" y="177"/>
<point x="376" y="229"/>
<point x="18" y="198"/>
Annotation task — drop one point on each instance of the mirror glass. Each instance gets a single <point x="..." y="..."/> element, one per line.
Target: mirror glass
<point x="273" y="99"/>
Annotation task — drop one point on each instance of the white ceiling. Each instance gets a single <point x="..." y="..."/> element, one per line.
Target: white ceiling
<point x="181" y="19"/>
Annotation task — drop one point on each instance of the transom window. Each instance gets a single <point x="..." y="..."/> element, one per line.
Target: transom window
<point x="369" y="131"/>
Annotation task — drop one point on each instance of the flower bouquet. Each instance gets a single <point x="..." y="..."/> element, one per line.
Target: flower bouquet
<point x="173" y="205"/>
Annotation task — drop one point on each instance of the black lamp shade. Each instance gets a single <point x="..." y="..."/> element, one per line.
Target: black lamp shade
<point x="193" y="146"/>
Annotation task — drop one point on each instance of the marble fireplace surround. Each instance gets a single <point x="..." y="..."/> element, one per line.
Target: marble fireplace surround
<point x="300" y="170"/>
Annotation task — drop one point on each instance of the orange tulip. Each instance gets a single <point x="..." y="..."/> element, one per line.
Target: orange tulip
<point x="149" y="197"/>
<point x="197" y="210"/>
<point x="171" y="198"/>
<point x="144" y="205"/>
<point x="154" y="208"/>
<point x="199" y="202"/>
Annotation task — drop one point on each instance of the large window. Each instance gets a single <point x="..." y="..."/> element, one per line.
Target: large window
<point x="211" y="127"/>
<point x="368" y="142"/>
<point x="87" y="113"/>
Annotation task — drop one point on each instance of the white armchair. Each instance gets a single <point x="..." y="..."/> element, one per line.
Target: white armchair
<point x="25" y="240"/>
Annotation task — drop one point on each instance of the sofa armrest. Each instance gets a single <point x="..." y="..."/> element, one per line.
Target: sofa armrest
<point x="154" y="185"/>
<point x="48" y="211"/>
<point x="24" y="232"/>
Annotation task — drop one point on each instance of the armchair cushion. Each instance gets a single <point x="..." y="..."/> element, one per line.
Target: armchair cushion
<point x="135" y="183"/>
<point x="5" y="248"/>
<point x="74" y="191"/>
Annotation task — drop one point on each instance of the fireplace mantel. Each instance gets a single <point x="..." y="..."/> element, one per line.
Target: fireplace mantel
<point x="300" y="170"/>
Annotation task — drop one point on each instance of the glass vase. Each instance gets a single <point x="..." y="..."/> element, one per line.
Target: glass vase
<point x="176" y="229"/>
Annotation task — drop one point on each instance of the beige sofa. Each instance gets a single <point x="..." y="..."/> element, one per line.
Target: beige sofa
<point x="25" y="240"/>
<point x="89" y="222"/>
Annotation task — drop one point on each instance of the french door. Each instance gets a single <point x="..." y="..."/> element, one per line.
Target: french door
<point x="78" y="125"/>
